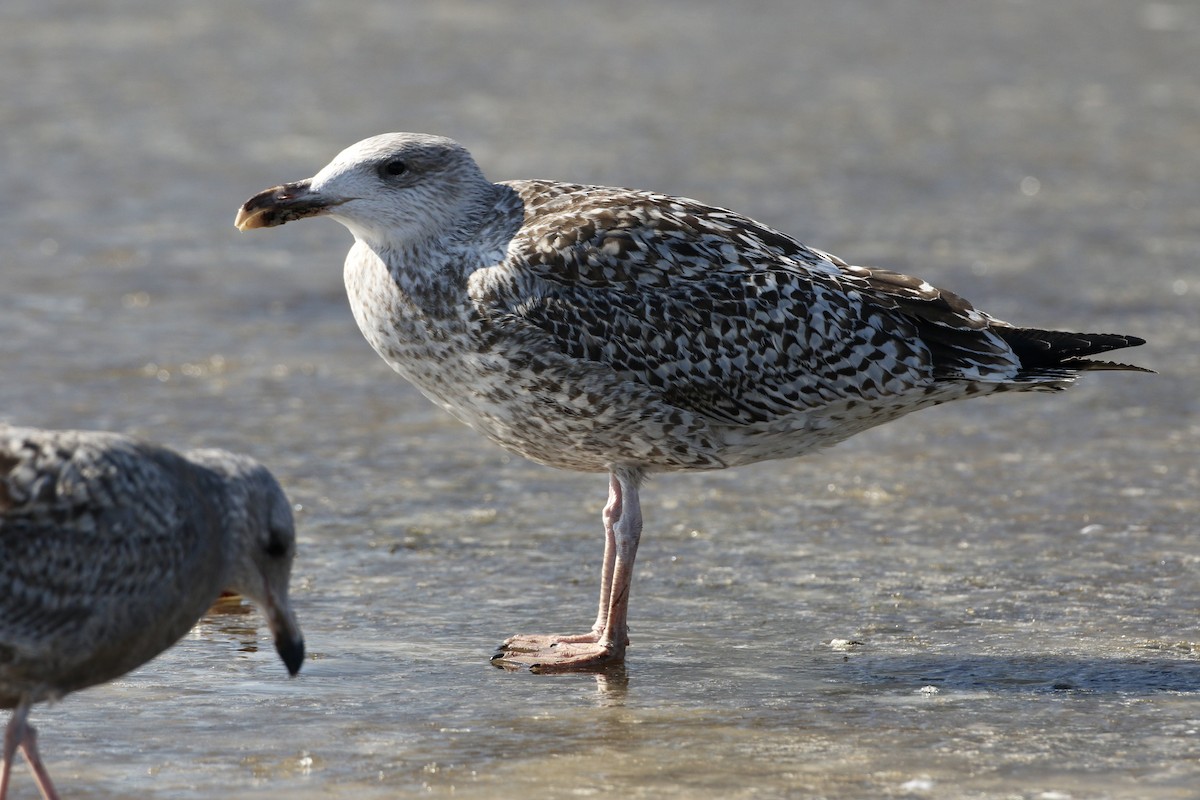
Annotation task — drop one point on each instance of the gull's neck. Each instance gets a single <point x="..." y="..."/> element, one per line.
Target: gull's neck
<point x="444" y="258"/>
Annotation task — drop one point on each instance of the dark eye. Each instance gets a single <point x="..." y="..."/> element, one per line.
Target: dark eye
<point x="393" y="168"/>
<point x="276" y="546"/>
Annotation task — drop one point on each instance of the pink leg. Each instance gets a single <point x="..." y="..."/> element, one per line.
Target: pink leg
<point x="605" y="644"/>
<point x="10" y="750"/>
<point x="626" y="525"/>
<point x="40" y="775"/>
<point x="612" y="512"/>
<point x="21" y="735"/>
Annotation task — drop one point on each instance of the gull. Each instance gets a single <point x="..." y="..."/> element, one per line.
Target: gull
<point x="111" y="548"/>
<point x="628" y="332"/>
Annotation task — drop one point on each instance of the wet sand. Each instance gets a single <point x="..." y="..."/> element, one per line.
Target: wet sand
<point x="991" y="600"/>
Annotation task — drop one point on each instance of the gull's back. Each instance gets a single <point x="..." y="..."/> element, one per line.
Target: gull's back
<point x="110" y="549"/>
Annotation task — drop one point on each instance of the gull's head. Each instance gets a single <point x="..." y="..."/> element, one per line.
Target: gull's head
<point x="391" y="189"/>
<point x="262" y="543"/>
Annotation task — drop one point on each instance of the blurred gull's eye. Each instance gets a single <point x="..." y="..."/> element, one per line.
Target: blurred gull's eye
<point x="276" y="546"/>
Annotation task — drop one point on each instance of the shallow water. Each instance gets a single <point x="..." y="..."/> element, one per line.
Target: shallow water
<point x="991" y="600"/>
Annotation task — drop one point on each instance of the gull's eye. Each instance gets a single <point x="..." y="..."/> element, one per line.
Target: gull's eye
<point x="393" y="168"/>
<point x="276" y="545"/>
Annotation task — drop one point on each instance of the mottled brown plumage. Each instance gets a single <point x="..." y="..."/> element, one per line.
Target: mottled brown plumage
<point x="603" y="329"/>
<point x="112" y="548"/>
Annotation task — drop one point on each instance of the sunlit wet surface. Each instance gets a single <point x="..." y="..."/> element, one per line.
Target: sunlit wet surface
<point x="991" y="600"/>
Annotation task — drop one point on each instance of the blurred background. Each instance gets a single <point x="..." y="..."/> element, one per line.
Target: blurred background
<point x="991" y="600"/>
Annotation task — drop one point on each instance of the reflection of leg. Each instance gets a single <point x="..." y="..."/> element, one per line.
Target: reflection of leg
<point x="605" y="643"/>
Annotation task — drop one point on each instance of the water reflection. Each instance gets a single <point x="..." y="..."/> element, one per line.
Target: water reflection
<point x="612" y="687"/>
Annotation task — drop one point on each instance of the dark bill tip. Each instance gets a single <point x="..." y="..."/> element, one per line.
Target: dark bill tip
<point x="291" y="651"/>
<point x="280" y="204"/>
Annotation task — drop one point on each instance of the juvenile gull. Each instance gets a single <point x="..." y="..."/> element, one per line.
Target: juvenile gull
<point x="111" y="549"/>
<point x="627" y="332"/>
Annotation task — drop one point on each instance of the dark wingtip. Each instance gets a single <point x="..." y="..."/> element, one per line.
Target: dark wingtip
<point x="1041" y="350"/>
<point x="1089" y="365"/>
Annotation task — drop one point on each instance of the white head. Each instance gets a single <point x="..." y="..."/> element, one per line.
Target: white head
<point x="391" y="189"/>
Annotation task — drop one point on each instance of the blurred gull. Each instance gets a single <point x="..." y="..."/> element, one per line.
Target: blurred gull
<point x="111" y="549"/>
